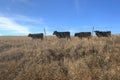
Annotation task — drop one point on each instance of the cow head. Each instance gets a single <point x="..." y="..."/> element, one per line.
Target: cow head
<point x="76" y="34"/>
<point x="96" y="31"/>
<point x="55" y="32"/>
<point x="29" y="35"/>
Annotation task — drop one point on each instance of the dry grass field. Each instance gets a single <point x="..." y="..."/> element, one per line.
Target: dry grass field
<point x="22" y="58"/>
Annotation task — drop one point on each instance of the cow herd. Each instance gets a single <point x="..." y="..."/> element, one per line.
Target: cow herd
<point x="67" y="34"/>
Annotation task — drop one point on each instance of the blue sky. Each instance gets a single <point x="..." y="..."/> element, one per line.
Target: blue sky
<point x="21" y="17"/>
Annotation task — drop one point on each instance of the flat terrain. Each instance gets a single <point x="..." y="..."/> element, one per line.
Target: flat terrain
<point x="22" y="58"/>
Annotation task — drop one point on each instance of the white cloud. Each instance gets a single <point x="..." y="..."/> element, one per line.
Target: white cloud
<point x="22" y="18"/>
<point x="27" y="19"/>
<point x="21" y="25"/>
<point x="8" y="24"/>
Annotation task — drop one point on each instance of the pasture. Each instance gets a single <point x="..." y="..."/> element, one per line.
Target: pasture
<point x="22" y="58"/>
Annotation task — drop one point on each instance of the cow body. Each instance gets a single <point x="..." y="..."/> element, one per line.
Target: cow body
<point x="62" y="34"/>
<point x="103" y="33"/>
<point x="36" y="36"/>
<point x="83" y="35"/>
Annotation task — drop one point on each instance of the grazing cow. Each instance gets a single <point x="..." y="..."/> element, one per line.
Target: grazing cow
<point x="83" y="35"/>
<point x="62" y="34"/>
<point x="103" y="33"/>
<point x="36" y="36"/>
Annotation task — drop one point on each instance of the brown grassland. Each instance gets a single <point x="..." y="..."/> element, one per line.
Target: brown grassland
<point x="22" y="58"/>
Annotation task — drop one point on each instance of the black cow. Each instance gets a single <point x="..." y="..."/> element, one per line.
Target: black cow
<point x="62" y="34"/>
<point x="103" y="33"/>
<point x="36" y="36"/>
<point x="83" y="35"/>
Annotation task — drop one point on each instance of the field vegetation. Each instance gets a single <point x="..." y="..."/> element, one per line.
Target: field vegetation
<point x="22" y="58"/>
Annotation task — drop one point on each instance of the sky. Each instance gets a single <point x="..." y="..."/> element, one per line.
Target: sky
<point x="21" y="17"/>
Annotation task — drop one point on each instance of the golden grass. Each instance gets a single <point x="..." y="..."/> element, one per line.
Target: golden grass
<point x="22" y="58"/>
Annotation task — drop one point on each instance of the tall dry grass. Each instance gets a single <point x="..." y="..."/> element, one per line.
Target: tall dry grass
<point x="22" y="58"/>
